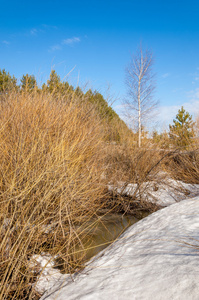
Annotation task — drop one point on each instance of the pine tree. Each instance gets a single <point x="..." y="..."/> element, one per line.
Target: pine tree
<point x="54" y="82"/>
<point x="181" y="132"/>
<point x="28" y="82"/>
<point x="7" y="83"/>
<point x="57" y="87"/>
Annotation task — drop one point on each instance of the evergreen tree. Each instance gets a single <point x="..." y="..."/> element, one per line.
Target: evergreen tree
<point x="78" y="92"/>
<point x="56" y="86"/>
<point x="28" y="82"/>
<point x="101" y="105"/>
<point x="54" y="83"/>
<point x="7" y="83"/>
<point x="156" y="137"/>
<point x="160" y="139"/>
<point x="181" y="132"/>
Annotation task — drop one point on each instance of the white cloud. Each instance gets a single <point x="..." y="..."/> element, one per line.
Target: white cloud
<point x="193" y="95"/>
<point x="71" y="41"/>
<point x="165" y="75"/>
<point x="33" y="31"/>
<point x="49" y="26"/>
<point x="195" y="76"/>
<point x="177" y="90"/>
<point x="168" y="113"/>
<point x="55" y="48"/>
<point x="6" y="42"/>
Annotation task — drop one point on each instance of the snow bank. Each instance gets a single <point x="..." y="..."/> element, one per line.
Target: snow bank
<point x="165" y="192"/>
<point x="151" y="260"/>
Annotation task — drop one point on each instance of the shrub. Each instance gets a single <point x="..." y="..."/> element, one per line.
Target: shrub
<point x="51" y="161"/>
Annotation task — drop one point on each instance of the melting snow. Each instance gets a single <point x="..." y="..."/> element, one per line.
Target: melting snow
<point x="166" y="192"/>
<point x="156" y="258"/>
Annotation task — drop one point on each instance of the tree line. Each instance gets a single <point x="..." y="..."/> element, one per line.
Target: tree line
<point x="56" y="87"/>
<point x="139" y="105"/>
<point x="62" y="90"/>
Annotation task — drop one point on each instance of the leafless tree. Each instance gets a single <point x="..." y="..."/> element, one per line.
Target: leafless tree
<point x="140" y="102"/>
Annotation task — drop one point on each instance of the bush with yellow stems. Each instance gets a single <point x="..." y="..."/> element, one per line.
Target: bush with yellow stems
<point x="51" y="162"/>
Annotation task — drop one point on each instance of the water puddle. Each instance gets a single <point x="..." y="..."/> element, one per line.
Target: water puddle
<point x="97" y="234"/>
<point x="106" y="229"/>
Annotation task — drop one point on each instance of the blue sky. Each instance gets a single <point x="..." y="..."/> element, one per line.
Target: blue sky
<point x="90" y="42"/>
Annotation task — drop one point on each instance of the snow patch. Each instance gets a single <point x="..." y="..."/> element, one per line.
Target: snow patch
<point x="164" y="193"/>
<point x="49" y="276"/>
<point x="156" y="258"/>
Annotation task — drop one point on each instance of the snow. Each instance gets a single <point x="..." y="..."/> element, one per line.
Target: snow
<point x="166" y="192"/>
<point x="49" y="276"/>
<point x="156" y="258"/>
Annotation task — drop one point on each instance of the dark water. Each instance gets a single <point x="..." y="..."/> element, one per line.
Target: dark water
<point x="105" y="230"/>
<point x="96" y="235"/>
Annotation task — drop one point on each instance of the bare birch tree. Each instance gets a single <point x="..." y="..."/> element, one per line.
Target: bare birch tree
<point x="140" y="102"/>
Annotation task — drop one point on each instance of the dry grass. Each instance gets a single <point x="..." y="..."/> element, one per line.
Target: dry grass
<point x="130" y="164"/>
<point x="130" y="167"/>
<point x="51" y="161"/>
<point x="183" y="165"/>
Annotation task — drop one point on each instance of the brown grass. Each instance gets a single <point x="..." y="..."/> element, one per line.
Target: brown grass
<point x="51" y="156"/>
<point x="131" y="164"/>
<point x="183" y="165"/>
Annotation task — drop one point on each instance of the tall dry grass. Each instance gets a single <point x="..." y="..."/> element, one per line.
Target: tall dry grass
<point x="183" y="165"/>
<point x="133" y="172"/>
<point x="51" y="161"/>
